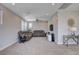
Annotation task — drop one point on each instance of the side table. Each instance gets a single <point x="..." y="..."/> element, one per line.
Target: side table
<point x="66" y="38"/>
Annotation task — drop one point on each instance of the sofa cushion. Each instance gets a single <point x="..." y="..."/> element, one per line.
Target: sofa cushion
<point x="39" y="33"/>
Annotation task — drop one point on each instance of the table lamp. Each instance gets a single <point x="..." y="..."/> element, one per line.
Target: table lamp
<point x="73" y="30"/>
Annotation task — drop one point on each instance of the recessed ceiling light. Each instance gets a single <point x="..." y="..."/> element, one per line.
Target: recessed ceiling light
<point x="13" y="4"/>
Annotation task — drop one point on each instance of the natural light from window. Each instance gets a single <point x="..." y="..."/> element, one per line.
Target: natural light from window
<point x="26" y="25"/>
<point x="30" y="25"/>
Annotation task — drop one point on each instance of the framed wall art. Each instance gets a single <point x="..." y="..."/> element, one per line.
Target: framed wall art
<point x="1" y="16"/>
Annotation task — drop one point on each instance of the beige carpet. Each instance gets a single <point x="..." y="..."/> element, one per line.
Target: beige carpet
<point x="40" y="46"/>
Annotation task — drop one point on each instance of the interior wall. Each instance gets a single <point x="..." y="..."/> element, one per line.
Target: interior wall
<point x="54" y="21"/>
<point x="63" y="17"/>
<point x="9" y="28"/>
<point x="40" y="25"/>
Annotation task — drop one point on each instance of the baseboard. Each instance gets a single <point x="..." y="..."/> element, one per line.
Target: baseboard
<point x="8" y="45"/>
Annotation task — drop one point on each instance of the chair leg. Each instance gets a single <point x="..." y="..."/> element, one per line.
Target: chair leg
<point x="63" y="40"/>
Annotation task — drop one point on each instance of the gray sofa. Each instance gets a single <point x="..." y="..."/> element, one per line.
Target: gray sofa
<point x="39" y="33"/>
<point x="24" y="36"/>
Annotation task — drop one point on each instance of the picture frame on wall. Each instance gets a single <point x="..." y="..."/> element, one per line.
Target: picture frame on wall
<point x="1" y="16"/>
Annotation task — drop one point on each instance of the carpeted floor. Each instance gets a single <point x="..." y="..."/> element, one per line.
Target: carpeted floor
<point x="40" y="46"/>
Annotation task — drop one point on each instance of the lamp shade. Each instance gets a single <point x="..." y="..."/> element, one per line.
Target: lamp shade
<point x="73" y="29"/>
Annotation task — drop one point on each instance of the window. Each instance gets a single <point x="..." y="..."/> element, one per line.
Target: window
<point x="26" y="25"/>
<point x="30" y="25"/>
<point x="23" y="25"/>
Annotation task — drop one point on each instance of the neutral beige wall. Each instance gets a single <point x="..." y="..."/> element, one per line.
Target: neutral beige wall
<point x="63" y="17"/>
<point x="9" y="28"/>
<point x="55" y="23"/>
<point x="40" y="26"/>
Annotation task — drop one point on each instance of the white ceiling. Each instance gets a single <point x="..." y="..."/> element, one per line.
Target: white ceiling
<point x="34" y="10"/>
<point x="73" y="7"/>
<point x="42" y="11"/>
